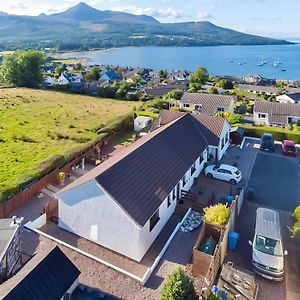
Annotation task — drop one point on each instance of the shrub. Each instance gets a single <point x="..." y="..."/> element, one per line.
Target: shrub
<point x="295" y="230"/>
<point x="296" y="213"/>
<point x="216" y="214"/>
<point x="178" y="286"/>
<point x="279" y="134"/>
<point x="61" y="176"/>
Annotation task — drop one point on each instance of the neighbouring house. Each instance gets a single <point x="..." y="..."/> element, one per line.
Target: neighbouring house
<point x="258" y="80"/>
<point x="161" y="90"/>
<point x="49" y="81"/>
<point x="289" y="98"/>
<point x="141" y="123"/>
<point x="259" y="89"/>
<point x="207" y="104"/>
<point x="178" y="75"/>
<point x="49" y="276"/>
<point x="125" y="202"/>
<point x="10" y="246"/>
<point x="276" y="114"/>
<point x="110" y="76"/>
<point x="63" y="79"/>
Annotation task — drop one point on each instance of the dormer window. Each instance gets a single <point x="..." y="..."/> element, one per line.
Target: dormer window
<point x="220" y="109"/>
<point x="186" y="105"/>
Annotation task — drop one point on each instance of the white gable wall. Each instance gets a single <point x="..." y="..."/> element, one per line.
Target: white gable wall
<point x="284" y="99"/>
<point x="90" y="213"/>
<point x="224" y="140"/>
<point x="258" y="118"/>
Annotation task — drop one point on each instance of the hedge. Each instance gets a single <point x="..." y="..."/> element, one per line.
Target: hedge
<point x="279" y="134"/>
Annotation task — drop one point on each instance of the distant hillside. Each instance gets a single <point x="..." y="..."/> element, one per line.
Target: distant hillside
<point x="82" y="27"/>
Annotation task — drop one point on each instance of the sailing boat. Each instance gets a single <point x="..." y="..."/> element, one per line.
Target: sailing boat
<point x="260" y="63"/>
<point x="277" y="63"/>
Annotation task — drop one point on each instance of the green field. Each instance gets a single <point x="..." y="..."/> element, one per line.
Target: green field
<point x="36" y="125"/>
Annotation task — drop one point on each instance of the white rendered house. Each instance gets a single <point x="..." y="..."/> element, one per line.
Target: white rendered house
<point x="124" y="203"/>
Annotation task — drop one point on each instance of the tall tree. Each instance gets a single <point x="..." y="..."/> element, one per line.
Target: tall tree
<point x="23" y="68"/>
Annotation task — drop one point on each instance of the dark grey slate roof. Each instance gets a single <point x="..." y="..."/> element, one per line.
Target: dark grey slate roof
<point x="294" y="96"/>
<point x="45" y="277"/>
<point x="161" y="90"/>
<point x="211" y="127"/>
<point x="141" y="176"/>
<point x="141" y="181"/>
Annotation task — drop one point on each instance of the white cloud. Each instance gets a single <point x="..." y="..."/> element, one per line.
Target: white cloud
<point x="203" y="15"/>
<point x="169" y="13"/>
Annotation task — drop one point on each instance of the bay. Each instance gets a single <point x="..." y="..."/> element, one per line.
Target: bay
<point x="219" y="60"/>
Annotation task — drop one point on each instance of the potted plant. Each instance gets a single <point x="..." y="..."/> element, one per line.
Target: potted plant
<point x="61" y="178"/>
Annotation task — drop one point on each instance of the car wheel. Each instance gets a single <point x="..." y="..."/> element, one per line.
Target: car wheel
<point x="232" y="181"/>
<point x="209" y="175"/>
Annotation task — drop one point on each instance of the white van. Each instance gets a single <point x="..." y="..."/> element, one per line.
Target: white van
<point x="268" y="254"/>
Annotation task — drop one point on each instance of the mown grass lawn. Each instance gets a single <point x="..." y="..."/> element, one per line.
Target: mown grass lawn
<point x="36" y="125"/>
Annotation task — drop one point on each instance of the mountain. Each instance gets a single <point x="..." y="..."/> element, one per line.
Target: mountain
<point x="82" y="27"/>
<point x="83" y="12"/>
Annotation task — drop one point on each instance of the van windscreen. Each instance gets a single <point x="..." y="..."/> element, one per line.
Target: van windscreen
<point x="268" y="245"/>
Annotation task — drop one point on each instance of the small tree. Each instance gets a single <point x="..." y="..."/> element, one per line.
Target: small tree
<point x="175" y="94"/>
<point x="214" y="91"/>
<point x="200" y="76"/>
<point x="224" y="84"/>
<point x="178" y="286"/>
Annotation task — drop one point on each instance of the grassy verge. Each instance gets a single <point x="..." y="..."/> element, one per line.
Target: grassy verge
<point x="126" y="138"/>
<point x="147" y="114"/>
<point x="247" y="94"/>
<point x="40" y="130"/>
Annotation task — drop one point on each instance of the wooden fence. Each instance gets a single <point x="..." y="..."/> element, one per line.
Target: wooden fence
<point x="9" y="206"/>
<point x="208" y="266"/>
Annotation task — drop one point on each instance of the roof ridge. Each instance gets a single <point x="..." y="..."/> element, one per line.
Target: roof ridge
<point x="121" y="155"/>
<point x="198" y="129"/>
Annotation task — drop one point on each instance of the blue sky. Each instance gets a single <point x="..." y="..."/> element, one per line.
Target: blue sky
<point x="274" y="18"/>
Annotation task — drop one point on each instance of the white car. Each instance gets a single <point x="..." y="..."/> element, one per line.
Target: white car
<point x="224" y="172"/>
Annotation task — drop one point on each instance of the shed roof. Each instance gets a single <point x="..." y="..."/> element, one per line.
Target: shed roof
<point x="8" y="230"/>
<point x="46" y="277"/>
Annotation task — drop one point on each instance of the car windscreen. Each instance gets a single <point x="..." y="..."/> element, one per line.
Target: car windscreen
<point x="290" y="148"/>
<point x="268" y="245"/>
<point x="267" y="139"/>
<point x="237" y="172"/>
